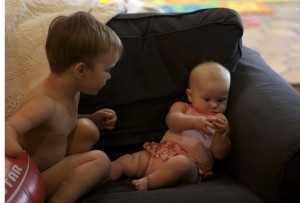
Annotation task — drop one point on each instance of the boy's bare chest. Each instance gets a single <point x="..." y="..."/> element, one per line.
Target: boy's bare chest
<point x="65" y="118"/>
<point x="48" y="142"/>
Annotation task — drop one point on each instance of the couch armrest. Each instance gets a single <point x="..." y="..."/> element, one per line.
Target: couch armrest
<point x="264" y="115"/>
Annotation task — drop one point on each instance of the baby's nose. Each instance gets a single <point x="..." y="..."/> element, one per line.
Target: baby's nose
<point x="213" y="104"/>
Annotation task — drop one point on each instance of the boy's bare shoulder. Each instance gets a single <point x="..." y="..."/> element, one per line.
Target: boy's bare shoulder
<point x="38" y="100"/>
<point x="39" y="96"/>
<point x="40" y="106"/>
<point x="31" y="113"/>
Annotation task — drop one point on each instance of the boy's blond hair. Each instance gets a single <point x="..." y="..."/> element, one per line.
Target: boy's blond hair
<point x="78" y="38"/>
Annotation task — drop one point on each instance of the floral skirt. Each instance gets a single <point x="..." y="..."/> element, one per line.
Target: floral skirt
<point x="165" y="149"/>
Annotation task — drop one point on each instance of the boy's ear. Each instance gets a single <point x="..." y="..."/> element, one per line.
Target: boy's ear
<point x="189" y="94"/>
<point x="79" y="70"/>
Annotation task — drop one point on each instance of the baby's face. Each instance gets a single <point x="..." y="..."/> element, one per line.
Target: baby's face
<point x="209" y="95"/>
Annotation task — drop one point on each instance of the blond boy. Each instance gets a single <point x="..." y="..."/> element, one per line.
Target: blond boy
<point x="81" y="51"/>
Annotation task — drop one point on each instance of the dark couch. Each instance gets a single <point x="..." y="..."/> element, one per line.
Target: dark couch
<point x="263" y="109"/>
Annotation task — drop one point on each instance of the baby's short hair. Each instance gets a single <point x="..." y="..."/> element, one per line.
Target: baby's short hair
<point x="79" y="37"/>
<point x="210" y="70"/>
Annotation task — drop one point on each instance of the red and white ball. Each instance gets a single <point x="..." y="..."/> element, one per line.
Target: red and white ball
<point x="23" y="181"/>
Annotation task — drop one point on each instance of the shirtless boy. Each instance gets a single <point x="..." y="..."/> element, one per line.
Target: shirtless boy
<point x="198" y="133"/>
<point x="81" y="51"/>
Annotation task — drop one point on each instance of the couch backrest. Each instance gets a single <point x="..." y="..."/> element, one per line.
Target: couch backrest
<point x="159" y="52"/>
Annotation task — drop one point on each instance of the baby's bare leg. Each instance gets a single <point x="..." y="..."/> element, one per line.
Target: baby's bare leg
<point x="178" y="169"/>
<point x="84" y="137"/>
<point x="75" y="175"/>
<point x="130" y="165"/>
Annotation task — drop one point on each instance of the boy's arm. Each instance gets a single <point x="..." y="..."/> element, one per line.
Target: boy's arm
<point x="178" y="121"/>
<point x="26" y="118"/>
<point x="103" y="118"/>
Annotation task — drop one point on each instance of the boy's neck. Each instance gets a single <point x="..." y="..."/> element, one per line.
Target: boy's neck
<point x="63" y="84"/>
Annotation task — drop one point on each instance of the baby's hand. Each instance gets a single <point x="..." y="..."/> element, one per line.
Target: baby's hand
<point x="203" y="125"/>
<point x="220" y="123"/>
<point x="104" y="118"/>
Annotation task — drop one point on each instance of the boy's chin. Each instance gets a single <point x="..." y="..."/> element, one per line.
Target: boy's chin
<point x="91" y="93"/>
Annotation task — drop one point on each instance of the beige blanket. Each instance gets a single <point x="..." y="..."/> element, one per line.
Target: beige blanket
<point x="26" y="25"/>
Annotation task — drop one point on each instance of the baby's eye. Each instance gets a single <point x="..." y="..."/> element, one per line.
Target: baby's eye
<point x="222" y="100"/>
<point x="206" y="99"/>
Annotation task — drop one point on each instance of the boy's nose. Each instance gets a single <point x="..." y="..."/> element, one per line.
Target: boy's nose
<point x="108" y="76"/>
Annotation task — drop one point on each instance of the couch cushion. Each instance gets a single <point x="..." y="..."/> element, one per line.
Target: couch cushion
<point x="219" y="189"/>
<point x="159" y="52"/>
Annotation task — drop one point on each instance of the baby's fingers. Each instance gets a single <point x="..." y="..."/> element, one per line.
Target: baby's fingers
<point x="221" y="128"/>
<point x="208" y="128"/>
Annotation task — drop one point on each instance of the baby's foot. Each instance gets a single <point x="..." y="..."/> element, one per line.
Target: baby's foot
<point x="140" y="184"/>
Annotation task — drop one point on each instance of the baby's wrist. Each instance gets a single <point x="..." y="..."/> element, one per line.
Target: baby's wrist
<point x="194" y="122"/>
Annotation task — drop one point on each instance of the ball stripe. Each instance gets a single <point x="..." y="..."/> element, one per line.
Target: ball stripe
<point x="21" y="182"/>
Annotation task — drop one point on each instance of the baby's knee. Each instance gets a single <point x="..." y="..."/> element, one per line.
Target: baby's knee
<point x="185" y="163"/>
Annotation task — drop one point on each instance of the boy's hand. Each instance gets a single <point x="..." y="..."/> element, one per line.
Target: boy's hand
<point x="104" y="118"/>
<point x="12" y="148"/>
